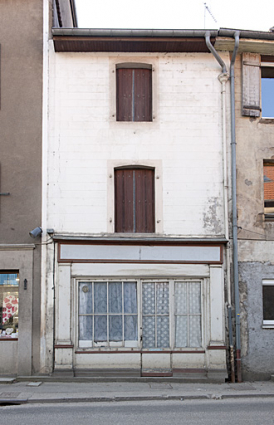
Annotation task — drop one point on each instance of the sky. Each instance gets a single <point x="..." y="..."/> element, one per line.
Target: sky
<point x="176" y="14"/>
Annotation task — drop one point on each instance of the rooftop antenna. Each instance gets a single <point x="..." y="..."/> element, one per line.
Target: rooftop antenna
<point x="206" y="9"/>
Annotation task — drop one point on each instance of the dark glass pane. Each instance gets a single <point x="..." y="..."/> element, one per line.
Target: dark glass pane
<point x="268" y="302"/>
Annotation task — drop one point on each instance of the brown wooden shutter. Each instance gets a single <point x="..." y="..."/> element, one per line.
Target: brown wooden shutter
<point x="124" y="201"/>
<point x="144" y="200"/>
<point x="124" y="94"/>
<point x="142" y="95"/>
<point x="251" y="76"/>
<point x="134" y="201"/>
<point x="134" y="94"/>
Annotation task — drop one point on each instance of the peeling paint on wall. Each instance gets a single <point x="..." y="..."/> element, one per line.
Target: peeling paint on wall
<point x="211" y="216"/>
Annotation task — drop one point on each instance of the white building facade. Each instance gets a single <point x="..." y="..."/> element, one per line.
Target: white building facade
<point x="135" y="278"/>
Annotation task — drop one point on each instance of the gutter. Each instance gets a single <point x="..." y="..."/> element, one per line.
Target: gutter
<point x="258" y="35"/>
<point x="73" y="13"/>
<point x="223" y="78"/>
<point x="90" y="32"/>
<point x="176" y="33"/>
<point x="234" y="209"/>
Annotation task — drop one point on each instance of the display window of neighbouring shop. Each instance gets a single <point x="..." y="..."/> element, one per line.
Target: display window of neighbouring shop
<point x="147" y="314"/>
<point x="9" y="304"/>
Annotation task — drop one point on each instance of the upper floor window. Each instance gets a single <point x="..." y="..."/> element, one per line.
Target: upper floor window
<point x="133" y="92"/>
<point x="257" y="85"/>
<point x="134" y="200"/>
<point x="269" y="190"/>
<point x="267" y="90"/>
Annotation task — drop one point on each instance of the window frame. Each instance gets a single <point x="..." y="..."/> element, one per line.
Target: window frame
<point x="129" y="58"/>
<point x="135" y="217"/>
<point x="268" y="324"/>
<point x="172" y="329"/>
<point x="15" y="325"/>
<point x="134" y="67"/>
<point x="269" y="65"/>
<point x="158" y="192"/>
<point x="269" y="216"/>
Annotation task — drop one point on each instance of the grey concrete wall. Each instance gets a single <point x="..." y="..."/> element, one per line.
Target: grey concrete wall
<point x="21" y="39"/>
<point x="255" y="142"/>
<point x="257" y="343"/>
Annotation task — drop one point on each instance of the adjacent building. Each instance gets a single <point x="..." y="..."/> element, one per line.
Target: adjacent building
<point x="254" y="105"/>
<point x="23" y="105"/>
<point x="21" y="39"/>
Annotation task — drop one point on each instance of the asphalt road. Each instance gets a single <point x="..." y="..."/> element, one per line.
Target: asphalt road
<point x="207" y="412"/>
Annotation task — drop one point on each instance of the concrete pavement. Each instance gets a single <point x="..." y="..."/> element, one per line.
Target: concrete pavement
<point x="45" y="391"/>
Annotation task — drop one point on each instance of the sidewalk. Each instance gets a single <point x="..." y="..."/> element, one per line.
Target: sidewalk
<point x="19" y="392"/>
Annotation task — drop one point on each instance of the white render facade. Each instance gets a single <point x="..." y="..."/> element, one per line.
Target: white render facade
<point x="157" y="297"/>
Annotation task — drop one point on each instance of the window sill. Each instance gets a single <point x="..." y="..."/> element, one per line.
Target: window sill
<point x="268" y="325"/>
<point x="113" y="350"/>
<point x="266" y="121"/>
<point x="269" y="217"/>
<point x="4" y="338"/>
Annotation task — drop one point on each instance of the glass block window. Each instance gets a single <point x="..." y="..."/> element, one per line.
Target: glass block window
<point x="9" y="304"/>
<point x="107" y="312"/>
<point x="155" y="303"/>
<point x="188" y="331"/>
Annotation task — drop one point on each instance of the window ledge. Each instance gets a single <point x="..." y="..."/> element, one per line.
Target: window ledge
<point x="269" y="217"/>
<point x="8" y="339"/>
<point x="266" y="121"/>
<point x="268" y="326"/>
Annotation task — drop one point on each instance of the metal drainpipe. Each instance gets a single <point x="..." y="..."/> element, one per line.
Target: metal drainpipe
<point x="54" y="306"/>
<point x="234" y="209"/>
<point x="223" y="78"/>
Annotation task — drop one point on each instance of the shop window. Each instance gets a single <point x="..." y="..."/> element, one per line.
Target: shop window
<point x="107" y="313"/>
<point x="267" y="91"/>
<point x="9" y="304"/>
<point x="269" y="190"/>
<point x="188" y="332"/>
<point x="134" y="200"/>
<point x="268" y="303"/>
<point x="133" y="92"/>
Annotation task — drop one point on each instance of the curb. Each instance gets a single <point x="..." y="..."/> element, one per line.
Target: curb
<point x="5" y="402"/>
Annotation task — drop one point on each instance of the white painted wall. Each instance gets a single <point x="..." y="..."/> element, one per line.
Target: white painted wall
<point x="185" y="138"/>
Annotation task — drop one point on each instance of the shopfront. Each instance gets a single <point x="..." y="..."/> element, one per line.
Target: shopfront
<point x="153" y="308"/>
